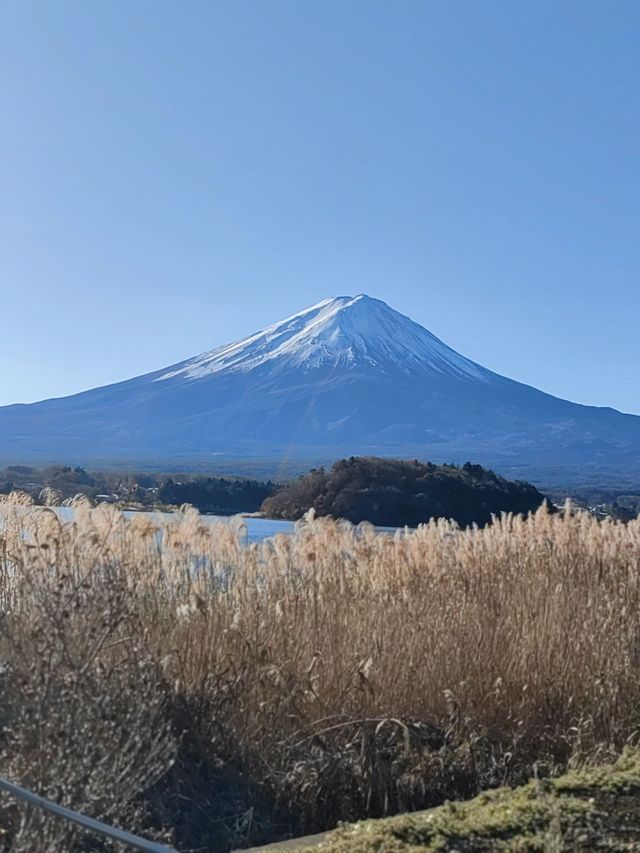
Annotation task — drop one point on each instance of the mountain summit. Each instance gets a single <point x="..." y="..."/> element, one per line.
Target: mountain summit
<point x="343" y="332"/>
<point x="348" y="375"/>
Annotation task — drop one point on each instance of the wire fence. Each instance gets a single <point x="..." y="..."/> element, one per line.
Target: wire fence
<point x="87" y="823"/>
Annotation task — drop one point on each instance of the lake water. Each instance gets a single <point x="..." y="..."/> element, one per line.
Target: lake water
<point x="257" y="528"/>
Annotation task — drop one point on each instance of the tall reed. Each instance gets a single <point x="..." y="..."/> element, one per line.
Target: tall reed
<point x="329" y="675"/>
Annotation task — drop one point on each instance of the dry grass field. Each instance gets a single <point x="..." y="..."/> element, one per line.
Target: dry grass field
<point x="168" y="678"/>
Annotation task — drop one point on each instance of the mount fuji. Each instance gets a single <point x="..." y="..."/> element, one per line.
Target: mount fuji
<point x="348" y="375"/>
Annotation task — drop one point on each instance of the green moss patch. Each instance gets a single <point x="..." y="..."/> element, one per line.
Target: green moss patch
<point x="594" y="809"/>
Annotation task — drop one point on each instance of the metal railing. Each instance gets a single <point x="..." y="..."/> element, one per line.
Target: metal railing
<point x="88" y="823"/>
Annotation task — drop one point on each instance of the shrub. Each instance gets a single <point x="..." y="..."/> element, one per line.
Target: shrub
<point x="395" y="492"/>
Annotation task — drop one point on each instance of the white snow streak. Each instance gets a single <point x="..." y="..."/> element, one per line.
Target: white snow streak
<point x="345" y="331"/>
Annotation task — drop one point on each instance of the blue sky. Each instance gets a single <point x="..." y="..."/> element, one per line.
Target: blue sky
<point x="175" y="175"/>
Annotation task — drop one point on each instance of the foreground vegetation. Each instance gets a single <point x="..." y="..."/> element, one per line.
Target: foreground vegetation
<point x="213" y="695"/>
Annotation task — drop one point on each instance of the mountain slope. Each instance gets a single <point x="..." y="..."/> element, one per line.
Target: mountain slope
<point x="349" y="375"/>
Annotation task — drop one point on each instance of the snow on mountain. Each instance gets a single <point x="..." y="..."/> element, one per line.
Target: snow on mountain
<point x="343" y="331"/>
<point x="348" y="375"/>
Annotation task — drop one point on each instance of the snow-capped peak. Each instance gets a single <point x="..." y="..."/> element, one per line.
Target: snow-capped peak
<point x="343" y="331"/>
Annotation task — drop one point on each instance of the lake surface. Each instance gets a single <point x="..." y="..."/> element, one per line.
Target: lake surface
<point x="257" y="528"/>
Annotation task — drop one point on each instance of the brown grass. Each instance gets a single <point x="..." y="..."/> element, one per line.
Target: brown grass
<point x="211" y="693"/>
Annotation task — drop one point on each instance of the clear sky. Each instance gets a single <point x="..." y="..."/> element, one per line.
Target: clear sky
<point x="176" y="175"/>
